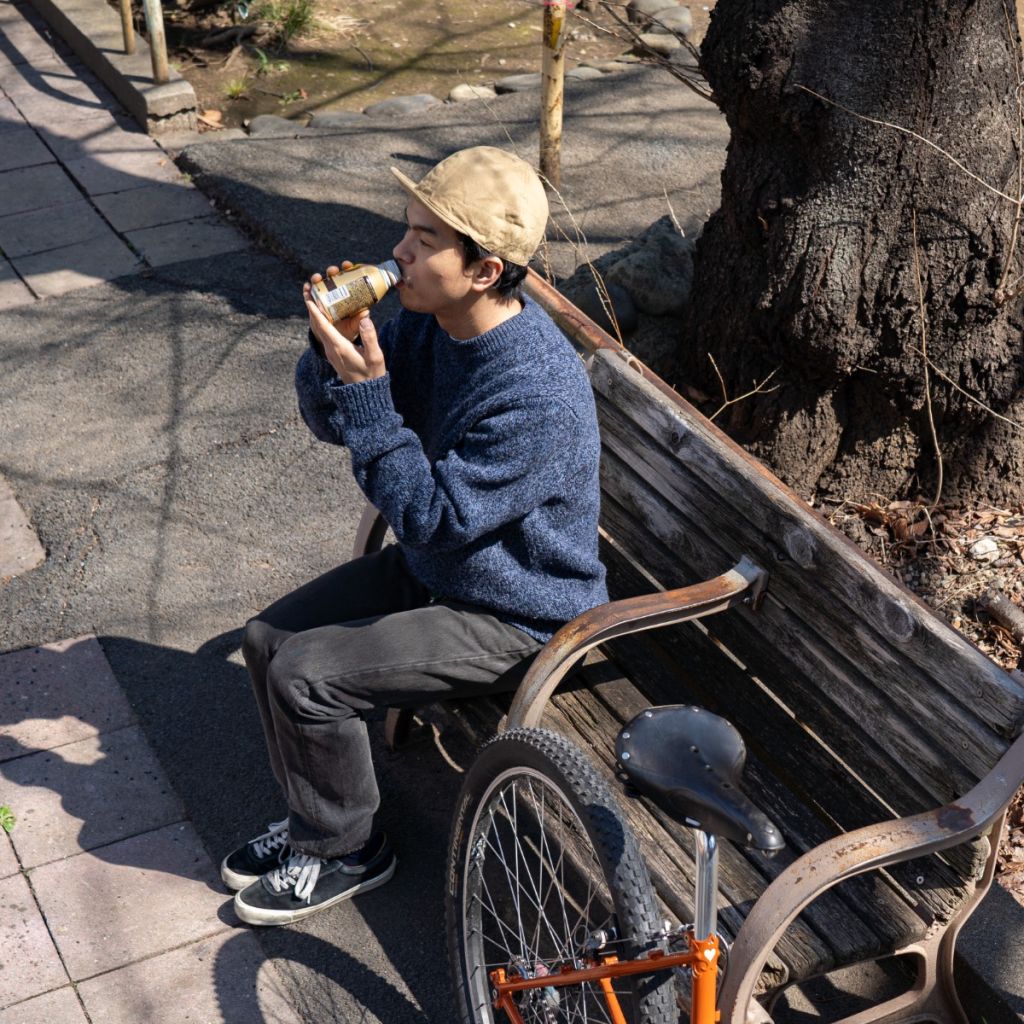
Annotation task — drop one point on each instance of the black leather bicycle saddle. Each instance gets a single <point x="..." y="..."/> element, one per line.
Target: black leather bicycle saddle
<point x="689" y="762"/>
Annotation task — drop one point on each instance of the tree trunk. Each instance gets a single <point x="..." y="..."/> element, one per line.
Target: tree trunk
<point x="808" y="267"/>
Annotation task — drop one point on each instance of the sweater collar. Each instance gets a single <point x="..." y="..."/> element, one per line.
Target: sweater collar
<point x="501" y="340"/>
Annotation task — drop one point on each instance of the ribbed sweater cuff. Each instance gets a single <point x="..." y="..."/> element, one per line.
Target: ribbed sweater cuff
<point x="365" y="402"/>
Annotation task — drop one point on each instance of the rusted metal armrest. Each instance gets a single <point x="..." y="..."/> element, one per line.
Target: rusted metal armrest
<point x="875" y="846"/>
<point x="745" y="582"/>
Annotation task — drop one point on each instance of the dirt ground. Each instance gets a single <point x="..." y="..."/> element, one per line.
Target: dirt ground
<point x="352" y="55"/>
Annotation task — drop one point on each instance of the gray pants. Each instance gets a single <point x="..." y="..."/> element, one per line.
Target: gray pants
<point x="365" y="635"/>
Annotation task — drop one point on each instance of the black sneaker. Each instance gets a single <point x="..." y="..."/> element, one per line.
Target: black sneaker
<point x="249" y="863"/>
<point x="303" y="885"/>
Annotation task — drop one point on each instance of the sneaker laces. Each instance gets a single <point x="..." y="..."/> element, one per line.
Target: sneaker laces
<point x="299" y="873"/>
<point x="275" y="838"/>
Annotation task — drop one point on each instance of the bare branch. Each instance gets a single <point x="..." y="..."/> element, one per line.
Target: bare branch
<point x="924" y="357"/>
<point x="757" y="389"/>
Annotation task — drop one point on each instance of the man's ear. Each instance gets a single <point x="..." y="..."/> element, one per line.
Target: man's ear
<point x="487" y="272"/>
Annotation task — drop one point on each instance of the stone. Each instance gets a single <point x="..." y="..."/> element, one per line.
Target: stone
<point x="271" y="126"/>
<point x="657" y="270"/>
<point x="985" y="550"/>
<point x="676" y="20"/>
<point x="399" y="105"/>
<point x="518" y="83"/>
<point x="61" y="1005"/>
<point x="22" y="147"/>
<point x="640" y="12"/>
<point x="606" y="67"/>
<point x="332" y="119"/>
<point x="582" y="73"/>
<point x="591" y="301"/>
<point x="100" y="173"/>
<point x="146" y="207"/>
<point x="462" y="93"/>
<point x="32" y="188"/>
<point x="660" y="43"/>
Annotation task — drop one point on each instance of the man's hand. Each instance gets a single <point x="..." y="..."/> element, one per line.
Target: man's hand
<point x="350" y="345"/>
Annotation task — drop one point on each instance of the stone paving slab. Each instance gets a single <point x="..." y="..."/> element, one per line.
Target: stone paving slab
<point x="77" y="266"/>
<point x="22" y="147"/>
<point x="33" y="188"/>
<point x="8" y="862"/>
<point x="222" y="980"/>
<point x="9" y="116"/>
<point x="58" y="1007"/>
<point x="20" y="550"/>
<point x="22" y="234"/>
<point x="29" y="963"/>
<point x="56" y="694"/>
<point x="103" y="172"/>
<point x="121" y="903"/>
<point x="13" y="292"/>
<point x="173" y="243"/>
<point x="153" y="205"/>
<point x="87" y="794"/>
<point x="73" y="140"/>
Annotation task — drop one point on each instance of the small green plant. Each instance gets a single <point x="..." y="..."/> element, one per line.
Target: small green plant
<point x="7" y="818"/>
<point x="290" y="97"/>
<point x="289" y="18"/>
<point x="265" y="65"/>
<point x="235" y="89"/>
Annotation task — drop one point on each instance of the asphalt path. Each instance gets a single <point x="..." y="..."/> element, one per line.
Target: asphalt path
<point x="150" y="431"/>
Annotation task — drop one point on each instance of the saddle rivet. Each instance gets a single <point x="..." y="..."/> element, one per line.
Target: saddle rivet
<point x="920" y="879"/>
<point x="648" y="714"/>
<point x="625" y="735"/>
<point x="625" y="755"/>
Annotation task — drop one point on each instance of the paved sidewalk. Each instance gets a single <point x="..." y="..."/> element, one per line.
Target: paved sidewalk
<point x="84" y="196"/>
<point x="110" y="909"/>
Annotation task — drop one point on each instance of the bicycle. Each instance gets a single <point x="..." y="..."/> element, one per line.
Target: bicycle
<point x="551" y="916"/>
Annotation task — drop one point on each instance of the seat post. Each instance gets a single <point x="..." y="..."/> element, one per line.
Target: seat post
<point x="706" y="846"/>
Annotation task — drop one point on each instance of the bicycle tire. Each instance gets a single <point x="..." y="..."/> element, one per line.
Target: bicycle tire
<point x="541" y="860"/>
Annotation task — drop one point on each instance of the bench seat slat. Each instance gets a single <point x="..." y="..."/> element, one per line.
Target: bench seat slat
<point x="811" y="550"/>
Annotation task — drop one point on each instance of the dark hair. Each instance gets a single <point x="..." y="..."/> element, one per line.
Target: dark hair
<point x="512" y="274"/>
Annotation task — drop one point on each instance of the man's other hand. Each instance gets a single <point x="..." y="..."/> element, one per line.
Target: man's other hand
<point x="350" y="345"/>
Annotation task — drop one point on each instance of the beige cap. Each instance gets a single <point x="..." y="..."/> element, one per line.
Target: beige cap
<point x="490" y="195"/>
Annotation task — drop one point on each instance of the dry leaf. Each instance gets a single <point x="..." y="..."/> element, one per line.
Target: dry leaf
<point x="212" y="116"/>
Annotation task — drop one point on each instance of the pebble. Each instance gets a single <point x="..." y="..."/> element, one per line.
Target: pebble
<point x="582" y="73"/>
<point x="640" y="12"/>
<point x="329" y="119"/>
<point x="660" y="43"/>
<point x="518" y="83"/>
<point x="465" y="92"/>
<point x="402" y="105"/>
<point x="677" y="20"/>
<point x="271" y="126"/>
<point x="984" y="550"/>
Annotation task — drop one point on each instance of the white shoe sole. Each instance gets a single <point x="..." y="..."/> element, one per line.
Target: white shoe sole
<point x="234" y="881"/>
<point x="261" y="916"/>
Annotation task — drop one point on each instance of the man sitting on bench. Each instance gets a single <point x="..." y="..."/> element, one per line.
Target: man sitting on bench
<point x="472" y="428"/>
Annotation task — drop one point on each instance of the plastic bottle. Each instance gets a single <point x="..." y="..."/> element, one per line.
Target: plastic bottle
<point x="359" y="287"/>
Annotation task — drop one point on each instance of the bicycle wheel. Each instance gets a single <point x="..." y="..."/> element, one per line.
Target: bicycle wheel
<point x="543" y="871"/>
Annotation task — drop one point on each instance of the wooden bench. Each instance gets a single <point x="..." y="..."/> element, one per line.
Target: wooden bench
<point x="884" y="744"/>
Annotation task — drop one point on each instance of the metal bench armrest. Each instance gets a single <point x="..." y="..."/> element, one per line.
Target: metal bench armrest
<point x="854" y="853"/>
<point x="744" y="582"/>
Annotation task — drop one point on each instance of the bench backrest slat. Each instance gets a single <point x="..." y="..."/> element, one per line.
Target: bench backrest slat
<point x="830" y="612"/>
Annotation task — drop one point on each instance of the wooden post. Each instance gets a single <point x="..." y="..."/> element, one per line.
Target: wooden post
<point x="157" y="42"/>
<point x="552" y="90"/>
<point x="127" y="26"/>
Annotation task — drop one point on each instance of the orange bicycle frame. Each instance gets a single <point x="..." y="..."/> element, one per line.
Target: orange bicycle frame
<point x="701" y="958"/>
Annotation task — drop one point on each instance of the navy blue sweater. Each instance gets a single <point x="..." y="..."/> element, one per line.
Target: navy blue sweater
<point x="482" y="455"/>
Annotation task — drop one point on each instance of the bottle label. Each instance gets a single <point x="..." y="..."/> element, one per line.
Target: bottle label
<point x="343" y="300"/>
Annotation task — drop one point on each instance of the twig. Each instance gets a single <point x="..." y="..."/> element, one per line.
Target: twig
<point x="906" y="131"/>
<point x="757" y="389"/>
<point x="977" y="401"/>
<point x="672" y="214"/>
<point x="236" y="33"/>
<point x="924" y="356"/>
<point x="362" y="53"/>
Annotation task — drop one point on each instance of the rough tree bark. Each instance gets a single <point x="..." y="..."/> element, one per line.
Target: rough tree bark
<point x="808" y="266"/>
